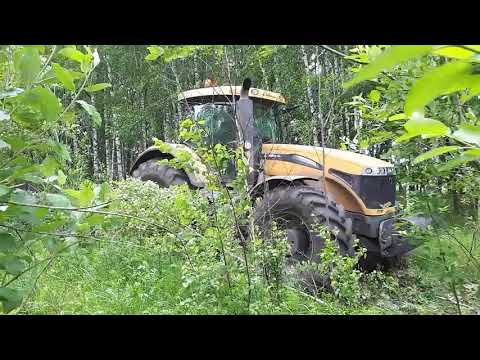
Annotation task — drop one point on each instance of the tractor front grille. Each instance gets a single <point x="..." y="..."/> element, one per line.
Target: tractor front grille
<point x="375" y="191"/>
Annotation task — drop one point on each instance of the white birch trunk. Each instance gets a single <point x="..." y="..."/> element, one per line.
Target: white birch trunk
<point x="119" y="157"/>
<point x="94" y="152"/>
<point x="310" y="96"/>
<point x="108" y="159"/>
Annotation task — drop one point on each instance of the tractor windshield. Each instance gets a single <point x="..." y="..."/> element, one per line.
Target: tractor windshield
<point x="220" y="121"/>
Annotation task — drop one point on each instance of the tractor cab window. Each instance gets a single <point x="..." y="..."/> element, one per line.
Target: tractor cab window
<point x="221" y="127"/>
<point x="219" y="122"/>
<point x="266" y="121"/>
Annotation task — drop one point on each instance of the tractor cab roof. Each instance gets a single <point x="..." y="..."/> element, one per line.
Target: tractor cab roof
<point x="222" y="93"/>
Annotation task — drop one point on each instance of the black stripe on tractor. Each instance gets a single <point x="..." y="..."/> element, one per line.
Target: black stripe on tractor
<point x="375" y="191"/>
<point x="294" y="158"/>
<point x="348" y="178"/>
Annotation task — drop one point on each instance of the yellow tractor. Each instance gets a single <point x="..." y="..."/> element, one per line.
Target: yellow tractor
<point x="297" y="185"/>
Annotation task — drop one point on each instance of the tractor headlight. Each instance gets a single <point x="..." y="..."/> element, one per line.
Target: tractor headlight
<point x="379" y="171"/>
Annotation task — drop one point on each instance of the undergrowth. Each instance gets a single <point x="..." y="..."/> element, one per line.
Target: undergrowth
<point x="191" y="262"/>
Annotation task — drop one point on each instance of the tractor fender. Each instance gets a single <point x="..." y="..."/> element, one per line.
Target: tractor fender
<point x="196" y="178"/>
<point x="273" y="181"/>
<point x="339" y="192"/>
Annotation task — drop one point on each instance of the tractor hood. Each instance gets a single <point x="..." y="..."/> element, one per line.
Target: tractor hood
<point x="347" y="161"/>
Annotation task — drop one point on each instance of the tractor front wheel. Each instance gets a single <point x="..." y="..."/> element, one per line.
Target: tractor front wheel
<point x="303" y="211"/>
<point x="161" y="174"/>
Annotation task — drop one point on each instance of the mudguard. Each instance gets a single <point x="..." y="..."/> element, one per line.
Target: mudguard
<point x="263" y="180"/>
<point x="169" y="151"/>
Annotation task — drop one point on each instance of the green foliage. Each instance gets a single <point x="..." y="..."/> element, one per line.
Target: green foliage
<point x="97" y="87"/>
<point x="171" y="53"/>
<point x="90" y="109"/>
<point x="64" y="76"/>
<point x="445" y="79"/>
<point x="27" y="64"/>
<point x="439" y="81"/>
<point x="388" y="59"/>
<point x="435" y="152"/>
<point x="32" y="115"/>
<point x="446" y="185"/>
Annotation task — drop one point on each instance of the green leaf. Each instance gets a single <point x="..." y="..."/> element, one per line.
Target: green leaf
<point x="7" y="242"/>
<point x="4" y="190"/>
<point x="426" y="127"/>
<point x="3" y="144"/>
<point x="64" y="76"/>
<point x="22" y="196"/>
<point x="97" y="87"/>
<point x="82" y="197"/>
<point x="69" y="117"/>
<point x="58" y="200"/>
<point x="28" y="64"/>
<point x="4" y="115"/>
<point x="95" y="219"/>
<point x="154" y="52"/>
<point x="32" y="178"/>
<point x="442" y="80"/>
<point x="60" y="150"/>
<point x="51" y="225"/>
<point x="468" y="133"/>
<point x="62" y="178"/>
<point x="473" y="152"/>
<point x="40" y="48"/>
<point x="374" y="96"/>
<point x="397" y="117"/>
<point x="76" y="74"/>
<point x="458" y="160"/>
<point x="72" y="54"/>
<point x="15" y="142"/>
<point x="49" y="166"/>
<point x="45" y="101"/>
<point x="435" y="152"/>
<point x="12" y="264"/>
<point x="10" y="298"/>
<point x="455" y="52"/>
<point x="387" y="60"/>
<point x="90" y="109"/>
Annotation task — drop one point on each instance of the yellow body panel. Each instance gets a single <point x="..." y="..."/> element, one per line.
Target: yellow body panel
<point x="344" y="161"/>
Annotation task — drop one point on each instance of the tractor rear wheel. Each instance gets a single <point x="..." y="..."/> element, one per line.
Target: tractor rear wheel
<point x="302" y="211"/>
<point x="161" y="174"/>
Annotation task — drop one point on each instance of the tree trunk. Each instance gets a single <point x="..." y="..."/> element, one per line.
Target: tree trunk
<point x="310" y="96"/>
<point x="108" y="155"/>
<point x="114" y="159"/>
<point x="118" y="157"/>
<point x="94" y="152"/>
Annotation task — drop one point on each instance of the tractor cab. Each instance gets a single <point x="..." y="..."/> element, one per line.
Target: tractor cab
<point x="216" y="106"/>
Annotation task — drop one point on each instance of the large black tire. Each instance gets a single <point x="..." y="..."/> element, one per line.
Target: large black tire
<point x="301" y="209"/>
<point x="161" y="174"/>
